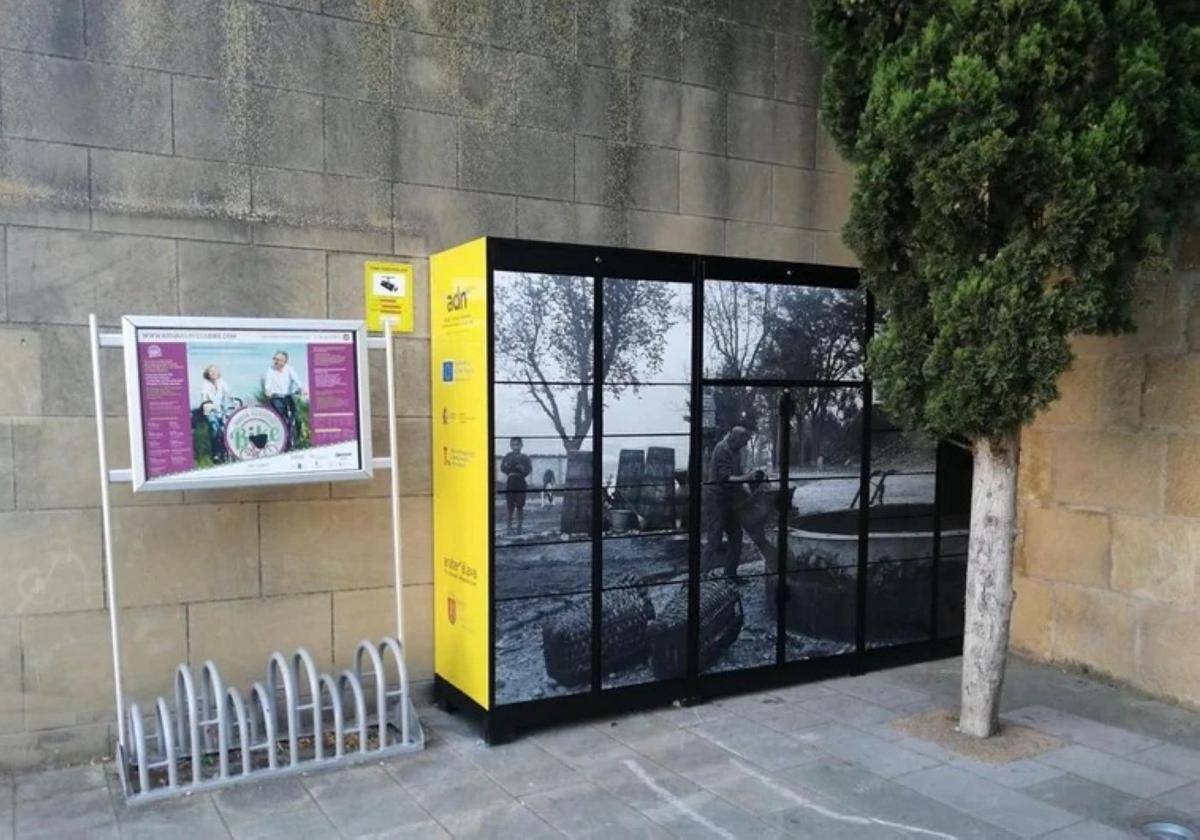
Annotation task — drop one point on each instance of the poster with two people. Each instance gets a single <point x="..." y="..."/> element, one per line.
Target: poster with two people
<point x="217" y="402"/>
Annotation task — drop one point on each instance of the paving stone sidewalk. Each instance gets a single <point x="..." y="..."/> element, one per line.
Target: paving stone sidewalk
<point x="813" y="761"/>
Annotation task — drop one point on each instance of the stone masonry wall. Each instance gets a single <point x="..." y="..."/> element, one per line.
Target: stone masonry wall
<point x="1108" y="564"/>
<point x="207" y="157"/>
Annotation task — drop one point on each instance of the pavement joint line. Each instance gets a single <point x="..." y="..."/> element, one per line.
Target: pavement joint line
<point x="316" y="804"/>
<point x="674" y="801"/>
<point x="829" y="813"/>
<point x="221" y="817"/>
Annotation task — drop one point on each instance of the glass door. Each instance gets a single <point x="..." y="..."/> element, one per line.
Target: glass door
<point x="645" y="356"/>
<point x="824" y="521"/>
<point x="782" y="429"/>
<point x="543" y="484"/>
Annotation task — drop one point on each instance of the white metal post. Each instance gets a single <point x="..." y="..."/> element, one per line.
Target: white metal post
<point x="110" y="572"/>
<point x="394" y="478"/>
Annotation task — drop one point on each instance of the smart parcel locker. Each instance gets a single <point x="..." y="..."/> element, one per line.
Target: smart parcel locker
<point x="662" y="477"/>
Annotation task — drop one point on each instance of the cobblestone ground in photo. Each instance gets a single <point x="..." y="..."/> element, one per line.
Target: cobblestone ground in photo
<point x="814" y="761"/>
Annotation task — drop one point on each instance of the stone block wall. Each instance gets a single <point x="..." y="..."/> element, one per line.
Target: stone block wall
<point x="1108" y="562"/>
<point x="245" y="157"/>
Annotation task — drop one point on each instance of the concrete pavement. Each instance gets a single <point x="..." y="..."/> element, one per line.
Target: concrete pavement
<point x="820" y="760"/>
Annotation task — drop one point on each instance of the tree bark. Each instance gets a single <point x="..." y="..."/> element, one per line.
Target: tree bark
<point x="989" y="595"/>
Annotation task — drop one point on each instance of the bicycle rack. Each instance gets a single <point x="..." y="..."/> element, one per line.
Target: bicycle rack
<point x="214" y="737"/>
<point x="297" y="720"/>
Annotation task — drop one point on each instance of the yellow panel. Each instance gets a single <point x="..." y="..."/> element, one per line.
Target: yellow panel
<point x="388" y="295"/>
<point x="458" y="301"/>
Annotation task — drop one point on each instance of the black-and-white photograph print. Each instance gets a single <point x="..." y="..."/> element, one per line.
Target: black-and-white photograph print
<point x="551" y="492"/>
<point x="752" y="436"/>
<point x="643" y="633"/>
<point x="763" y="331"/>
<point x="901" y="496"/>
<point x="543" y="647"/>
<point x="555" y="401"/>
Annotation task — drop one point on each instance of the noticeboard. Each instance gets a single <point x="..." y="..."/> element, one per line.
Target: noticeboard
<point x="231" y="402"/>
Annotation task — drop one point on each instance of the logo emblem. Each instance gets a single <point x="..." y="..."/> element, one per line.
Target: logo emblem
<point x="255" y="431"/>
<point x="447" y="371"/>
<point x="154" y="352"/>
<point x="451" y="609"/>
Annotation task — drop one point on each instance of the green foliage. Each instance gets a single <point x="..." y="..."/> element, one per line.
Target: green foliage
<point x="1020" y="166"/>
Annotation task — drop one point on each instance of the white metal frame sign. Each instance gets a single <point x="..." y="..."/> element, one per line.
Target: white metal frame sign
<point x="172" y="395"/>
<point x="235" y="402"/>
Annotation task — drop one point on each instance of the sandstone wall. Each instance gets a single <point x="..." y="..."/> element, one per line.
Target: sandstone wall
<point x="1109" y="557"/>
<point x="207" y="157"/>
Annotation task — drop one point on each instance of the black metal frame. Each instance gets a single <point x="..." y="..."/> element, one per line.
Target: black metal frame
<point x="598" y="263"/>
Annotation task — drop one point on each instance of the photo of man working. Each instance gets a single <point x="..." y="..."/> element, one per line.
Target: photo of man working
<point x="737" y="503"/>
<point x="727" y="490"/>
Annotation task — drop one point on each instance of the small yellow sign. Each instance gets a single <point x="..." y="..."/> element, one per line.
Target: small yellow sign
<point x="388" y="292"/>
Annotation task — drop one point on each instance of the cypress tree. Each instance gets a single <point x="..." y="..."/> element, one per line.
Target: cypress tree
<point x="1020" y="168"/>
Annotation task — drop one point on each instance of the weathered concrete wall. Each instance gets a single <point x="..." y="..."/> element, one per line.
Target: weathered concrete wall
<point x="1109" y="557"/>
<point x="238" y="157"/>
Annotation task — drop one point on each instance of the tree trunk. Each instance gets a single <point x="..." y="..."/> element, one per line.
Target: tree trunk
<point x="989" y="583"/>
